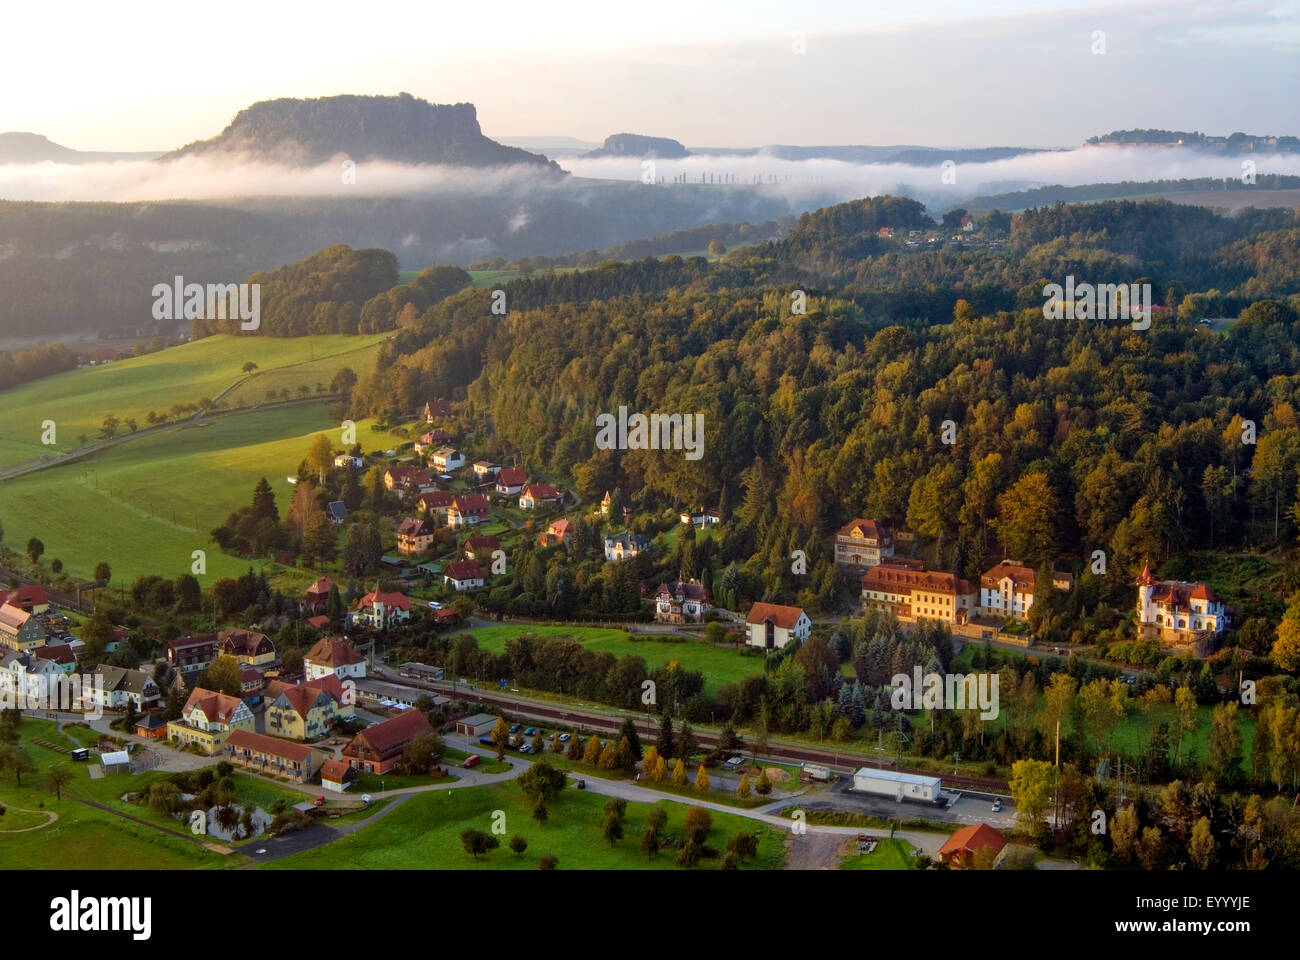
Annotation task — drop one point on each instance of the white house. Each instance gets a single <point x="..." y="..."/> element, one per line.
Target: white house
<point x="447" y="458"/>
<point x="771" y="625"/>
<point x="625" y="546"/>
<point x="120" y="686"/>
<point x="347" y="460"/>
<point x="383" y="610"/>
<point x="1185" y="614"/>
<point x="463" y="575"/>
<point x="333" y="657"/>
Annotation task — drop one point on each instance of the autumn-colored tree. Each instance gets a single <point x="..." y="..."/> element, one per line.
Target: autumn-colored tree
<point x="679" y="773"/>
<point x="1027" y="517"/>
<point x="1201" y="847"/>
<point x="1031" y="785"/>
<point x="592" y="753"/>
<point x="500" y="737"/>
<point x="1286" y="648"/>
<point x="743" y="789"/>
<point x="701" y="780"/>
<point x="320" y="457"/>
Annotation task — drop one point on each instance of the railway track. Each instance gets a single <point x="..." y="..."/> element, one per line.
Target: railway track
<point x="574" y="716"/>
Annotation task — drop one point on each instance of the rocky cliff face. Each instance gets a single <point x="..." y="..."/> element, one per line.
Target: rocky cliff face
<point x="401" y="129"/>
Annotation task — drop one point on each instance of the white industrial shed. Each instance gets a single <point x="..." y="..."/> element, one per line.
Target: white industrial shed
<point x="899" y="786"/>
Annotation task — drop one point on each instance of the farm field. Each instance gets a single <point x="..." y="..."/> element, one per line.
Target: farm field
<point x="424" y="832"/>
<point x="145" y="505"/>
<point x="718" y="664"/>
<point x="159" y="381"/>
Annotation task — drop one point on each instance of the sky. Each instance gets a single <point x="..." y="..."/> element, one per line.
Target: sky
<point x="156" y="75"/>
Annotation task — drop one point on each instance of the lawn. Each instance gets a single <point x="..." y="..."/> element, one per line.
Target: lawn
<point x="83" y="838"/>
<point x="145" y="505"/>
<point x="424" y="832"/>
<point x="889" y="855"/>
<point x="719" y="665"/>
<point x="78" y="401"/>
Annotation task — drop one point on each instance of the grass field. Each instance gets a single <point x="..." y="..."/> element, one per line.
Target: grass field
<point x="84" y="838"/>
<point x="719" y="665"/>
<point x="424" y="832"/>
<point x="889" y="855"/>
<point x="78" y="401"/>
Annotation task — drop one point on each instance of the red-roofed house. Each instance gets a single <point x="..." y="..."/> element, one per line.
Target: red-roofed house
<point x="318" y="622"/>
<point x="682" y="601"/>
<point x="1179" y="613"/>
<point x="408" y="479"/>
<point x="318" y="595"/>
<point x="435" y="502"/>
<point x="415" y="535"/>
<point x="860" y="544"/>
<point x="208" y="718"/>
<point x="959" y="850"/>
<point x="912" y="593"/>
<point x="771" y="625"/>
<point x="383" y="610"/>
<point x="1007" y="589"/>
<point x="30" y="598"/>
<point x="271" y="755"/>
<point x="463" y="575"/>
<point x="20" y="631"/>
<point x="559" y="532"/>
<point x="337" y="775"/>
<point x="473" y="546"/>
<point x="467" y="509"/>
<point x="537" y="495"/>
<point x="333" y="658"/>
<point x="435" y="409"/>
<point x="378" y="749"/>
<point x="511" y="480"/>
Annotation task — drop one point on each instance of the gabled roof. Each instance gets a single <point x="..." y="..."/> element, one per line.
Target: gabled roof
<point x="399" y="600"/>
<point x="187" y="643"/>
<point x="244" y="642"/>
<point x="485" y="542"/>
<point x="217" y="707"/>
<point x="333" y="653"/>
<point x="435" y="499"/>
<point x="121" y="679"/>
<point x="463" y="570"/>
<point x="13" y="617"/>
<point x="471" y="503"/>
<point x="391" y="735"/>
<point x="321" y="587"/>
<point x="541" y="491"/>
<point x="512" y="477"/>
<point x="687" y="590"/>
<point x="1022" y="576"/>
<point x="781" y="616"/>
<point x="272" y="746"/>
<point x="969" y="839"/>
<point x="866" y="529"/>
<point x="59" y="653"/>
<point x="26" y="597"/>
<point x="301" y="699"/>
<point x="415" y="527"/>
<point x="888" y="578"/>
<point x="337" y="771"/>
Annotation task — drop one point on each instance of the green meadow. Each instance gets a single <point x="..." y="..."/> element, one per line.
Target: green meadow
<point x="145" y="505"/>
<point x="424" y="833"/>
<point x="79" y="400"/>
<point x="83" y="837"/>
<point x="720" y="665"/>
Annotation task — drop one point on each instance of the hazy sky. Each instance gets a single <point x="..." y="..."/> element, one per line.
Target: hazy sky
<point x="155" y="75"/>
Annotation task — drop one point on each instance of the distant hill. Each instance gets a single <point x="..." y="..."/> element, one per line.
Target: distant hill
<point x="1195" y="140"/>
<point x="402" y="129"/>
<point x="35" y="148"/>
<point x="636" y="145"/>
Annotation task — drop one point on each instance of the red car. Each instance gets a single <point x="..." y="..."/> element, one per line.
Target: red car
<point x="471" y="760"/>
<point x="319" y="801"/>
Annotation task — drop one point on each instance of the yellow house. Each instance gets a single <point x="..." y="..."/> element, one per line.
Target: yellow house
<point x="305" y="711"/>
<point x="208" y="719"/>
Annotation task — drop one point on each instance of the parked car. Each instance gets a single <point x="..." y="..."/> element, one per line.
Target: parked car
<point x="526" y="748"/>
<point x="471" y="760"/>
<point x="435" y="605"/>
<point x="319" y="802"/>
<point x="582" y="784"/>
<point x="997" y="805"/>
<point x="365" y="798"/>
<point x="529" y="732"/>
<point x="565" y="737"/>
<point x="514" y="727"/>
<point x="486" y="740"/>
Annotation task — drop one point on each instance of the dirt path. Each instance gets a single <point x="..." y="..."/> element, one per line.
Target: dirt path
<point x="40" y="826"/>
